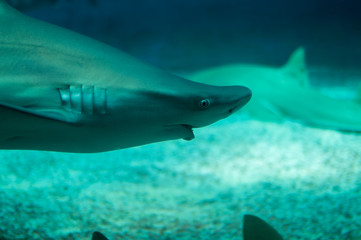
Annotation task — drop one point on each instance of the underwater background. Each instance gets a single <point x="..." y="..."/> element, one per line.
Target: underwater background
<point x="304" y="181"/>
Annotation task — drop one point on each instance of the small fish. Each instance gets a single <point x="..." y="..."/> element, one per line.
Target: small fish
<point x="61" y="91"/>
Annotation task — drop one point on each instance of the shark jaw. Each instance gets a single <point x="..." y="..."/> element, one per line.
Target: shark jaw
<point x="189" y="129"/>
<point x="185" y="131"/>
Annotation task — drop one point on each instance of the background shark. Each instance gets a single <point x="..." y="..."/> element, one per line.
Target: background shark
<point x="285" y="92"/>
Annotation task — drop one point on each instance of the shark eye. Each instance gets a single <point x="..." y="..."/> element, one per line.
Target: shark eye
<point x="204" y="103"/>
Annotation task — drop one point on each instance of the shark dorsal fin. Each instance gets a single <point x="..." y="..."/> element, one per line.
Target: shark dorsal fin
<point x="296" y="67"/>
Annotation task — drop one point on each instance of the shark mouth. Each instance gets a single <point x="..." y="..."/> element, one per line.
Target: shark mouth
<point x="241" y="103"/>
<point x="189" y="128"/>
<point x="183" y="131"/>
<point x="234" y="109"/>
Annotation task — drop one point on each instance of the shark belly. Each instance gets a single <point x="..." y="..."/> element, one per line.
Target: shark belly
<point x="22" y="131"/>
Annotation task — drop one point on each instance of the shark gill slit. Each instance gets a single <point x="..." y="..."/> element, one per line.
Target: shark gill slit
<point x="89" y="100"/>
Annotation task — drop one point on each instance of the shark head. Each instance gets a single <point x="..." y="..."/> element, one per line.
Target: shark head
<point x="177" y="106"/>
<point x="204" y="107"/>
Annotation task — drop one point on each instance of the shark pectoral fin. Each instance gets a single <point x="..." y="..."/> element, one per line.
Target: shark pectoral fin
<point x="54" y="114"/>
<point x="265" y="110"/>
<point x="273" y="109"/>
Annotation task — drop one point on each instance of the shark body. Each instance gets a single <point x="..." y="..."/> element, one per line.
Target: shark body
<point x="285" y="92"/>
<point x="61" y="91"/>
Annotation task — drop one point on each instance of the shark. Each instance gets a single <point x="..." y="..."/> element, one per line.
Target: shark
<point x="254" y="228"/>
<point x="285" y="93"/>
<point x="62" y="91"/>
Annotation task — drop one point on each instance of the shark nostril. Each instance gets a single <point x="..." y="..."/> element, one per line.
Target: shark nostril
<point x="241" y="102"/>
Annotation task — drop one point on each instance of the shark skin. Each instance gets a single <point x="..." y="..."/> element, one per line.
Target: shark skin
<point x="61" y="91"/>
<point x="285" y="92"/>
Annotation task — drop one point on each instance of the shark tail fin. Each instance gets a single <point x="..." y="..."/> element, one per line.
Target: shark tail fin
<point x="255" y="228"/>
<point x="296" y="67"/>
<point x="98" y="236"/>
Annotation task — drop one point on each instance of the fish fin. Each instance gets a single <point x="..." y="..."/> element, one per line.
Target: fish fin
<point x="296" y="67"/>
<point x="262" y="109"/>
<point x="78" y="104"/>
<point x="54" y="114"/>
<point x="271" y="108"/>
<point x="98" y="236"/>
<point x="255" y="228"/>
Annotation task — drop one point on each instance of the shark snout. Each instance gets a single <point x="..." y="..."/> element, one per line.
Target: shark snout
<point x="239" y="97"/>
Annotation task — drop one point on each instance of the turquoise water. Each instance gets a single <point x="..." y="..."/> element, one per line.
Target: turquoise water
<point x="304" y="181"/>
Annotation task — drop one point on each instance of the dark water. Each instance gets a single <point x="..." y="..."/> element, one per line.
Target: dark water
<point x="188" y="35"/>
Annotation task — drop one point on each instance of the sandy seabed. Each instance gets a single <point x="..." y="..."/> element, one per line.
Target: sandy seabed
<point x="306" y="182"/>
